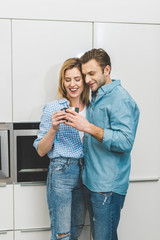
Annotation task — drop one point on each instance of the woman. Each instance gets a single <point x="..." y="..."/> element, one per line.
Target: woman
<point x="64" y="146"/>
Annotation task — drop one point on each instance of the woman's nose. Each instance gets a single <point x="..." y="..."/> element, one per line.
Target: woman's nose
<point x="72" y="83"/>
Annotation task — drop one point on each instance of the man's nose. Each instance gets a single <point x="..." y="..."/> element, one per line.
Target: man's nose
<point x="87" y="79"/>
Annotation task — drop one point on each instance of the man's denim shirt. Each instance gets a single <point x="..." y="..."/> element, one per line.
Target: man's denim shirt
<point x="107" y="164"/>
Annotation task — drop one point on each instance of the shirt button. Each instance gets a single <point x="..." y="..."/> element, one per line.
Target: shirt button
<point x="86" y="136"/>
<point x="84" y="150"/>
<point x="93" y="108"/>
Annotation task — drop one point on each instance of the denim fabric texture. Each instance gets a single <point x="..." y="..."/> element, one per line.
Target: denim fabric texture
<point x="65" y="198"/>
<point x="104" y="209"/>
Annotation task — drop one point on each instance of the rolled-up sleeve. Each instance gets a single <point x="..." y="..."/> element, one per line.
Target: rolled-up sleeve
<point x="45" y="124"/>
<point x="124" y="116"/>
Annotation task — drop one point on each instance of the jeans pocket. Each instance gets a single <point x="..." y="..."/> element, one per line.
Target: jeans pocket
<point x="58" y="167"/>
<point x="102" y="198"/>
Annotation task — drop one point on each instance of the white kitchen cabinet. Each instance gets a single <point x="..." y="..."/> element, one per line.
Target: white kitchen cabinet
<point x="39" y="50"/>
<point x="140" y="215"/>
<point x="5" y="71"/>
<point x="6" y="209"/>
<point x="33" y="234"/>
<point x="30" y="207"/>
<point x="135" y="56"/>
<point x="6" y="235"/>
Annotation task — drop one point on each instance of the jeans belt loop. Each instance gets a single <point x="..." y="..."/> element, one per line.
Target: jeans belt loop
<point x="68" y="161"/>
<point x="82" y="162"/>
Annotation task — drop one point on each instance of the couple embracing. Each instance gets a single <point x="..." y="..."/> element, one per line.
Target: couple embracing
<point x="90" y="150"/>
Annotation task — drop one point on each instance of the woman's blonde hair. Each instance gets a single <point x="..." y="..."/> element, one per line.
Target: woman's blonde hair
<point x="69" y="64"/>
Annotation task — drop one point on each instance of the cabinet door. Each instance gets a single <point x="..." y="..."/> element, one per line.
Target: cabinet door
<point x="34" y="234"/>
<point x="135" y="56"/>
<point x="6" y="235"/>
<point x="5" y="71"/>
<point x="39" y="50"/>
<point x="6" y="208"/>
<point x="31" y="210"/>
<point x="140" y="215"/>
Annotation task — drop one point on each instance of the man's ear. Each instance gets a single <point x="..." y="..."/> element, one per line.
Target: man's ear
<point x="107" y="70"/>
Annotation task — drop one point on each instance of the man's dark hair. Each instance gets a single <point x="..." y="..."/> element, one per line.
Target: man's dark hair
<point x="99" y="55"/>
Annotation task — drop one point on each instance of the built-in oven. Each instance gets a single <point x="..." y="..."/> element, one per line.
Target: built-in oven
<point x="5" y="147"/>
<point x="29" y="166"/>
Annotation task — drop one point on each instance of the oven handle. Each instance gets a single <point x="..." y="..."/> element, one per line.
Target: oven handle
<point x="34" y="170"/>
<point x="25" y="184"/>
<point x="25" y="132"/>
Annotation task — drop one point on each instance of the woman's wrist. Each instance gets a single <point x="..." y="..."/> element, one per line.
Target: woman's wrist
<point x="53" y="130"/>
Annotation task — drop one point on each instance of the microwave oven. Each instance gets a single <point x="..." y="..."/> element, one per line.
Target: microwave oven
<point x="28" y="165"/>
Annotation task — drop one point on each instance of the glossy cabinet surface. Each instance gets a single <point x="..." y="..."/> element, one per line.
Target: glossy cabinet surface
<point x="5" y="71"/>
<point x="112" y="11"/>
<point x="6" y="209"/>
<point x="34" y="234"/>
<point x="140" y="215"/>
<point x="30" y="207"/>
<point x="135" y="56"/>
<point x="37" y="61"/>
<point x="6" y="235"/>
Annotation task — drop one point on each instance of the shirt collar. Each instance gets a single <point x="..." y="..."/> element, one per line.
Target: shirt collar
<point x="107" y="87"/>
<point x="64" y="101"/>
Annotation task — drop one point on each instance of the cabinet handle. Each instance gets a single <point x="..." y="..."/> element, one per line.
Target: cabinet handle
<point x="3" y="232"/>
<point x="3" y="184"/>
<point x="144" y="179"/>
<point x="35" y="230"/>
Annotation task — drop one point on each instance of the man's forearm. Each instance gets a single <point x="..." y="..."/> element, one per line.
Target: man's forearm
<point x="95" y="132"/>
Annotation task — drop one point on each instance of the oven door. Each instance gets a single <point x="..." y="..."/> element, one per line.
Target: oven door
<point x="4" y="153"/>
<point x="29" y="166"/>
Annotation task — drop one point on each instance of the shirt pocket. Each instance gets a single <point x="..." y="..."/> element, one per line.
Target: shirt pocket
<point x="101" y="118"/>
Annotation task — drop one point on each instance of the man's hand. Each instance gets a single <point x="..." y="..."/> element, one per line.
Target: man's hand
<point x="81" y="124"/>
<point x="77" y="121"/>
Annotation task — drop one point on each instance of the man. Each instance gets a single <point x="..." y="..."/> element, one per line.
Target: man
<point x="110" y="128"/>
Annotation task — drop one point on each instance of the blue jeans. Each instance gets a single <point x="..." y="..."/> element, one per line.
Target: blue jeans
<point x="65" y="198"/>
<point x="104" y="209"/>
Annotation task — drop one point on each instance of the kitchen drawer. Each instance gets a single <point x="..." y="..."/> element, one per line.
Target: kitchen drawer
<point x="6" y="235"/>
<point x="31" y="209"/>
<point x="33" y="234"/>
<point x="6" y="207"/>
